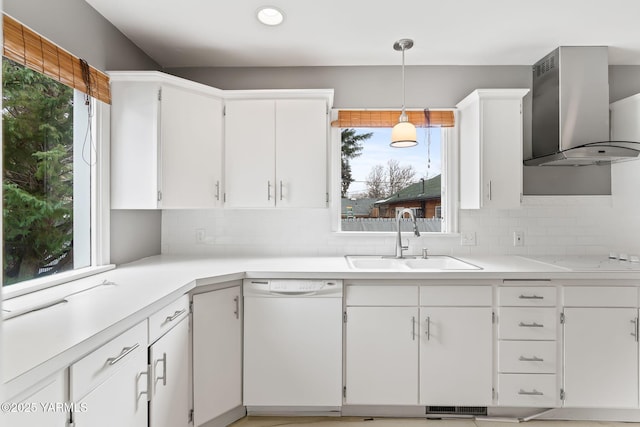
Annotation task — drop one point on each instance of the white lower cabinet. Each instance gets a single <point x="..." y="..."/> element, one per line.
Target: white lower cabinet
<point x="169" y="404"/>
<point x="381" y="356"/>
<point x="38" y="406"/>
<point x="405" y="347"/>
<point x="456" y="356"/>
<point x="217" y="353"/>
<point x="111" y="382"/>
<point x="601" y="357"/>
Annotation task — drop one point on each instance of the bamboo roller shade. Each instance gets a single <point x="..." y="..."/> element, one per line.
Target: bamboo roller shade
<point x="388" y="118"/>
<point x="28" y="48"/>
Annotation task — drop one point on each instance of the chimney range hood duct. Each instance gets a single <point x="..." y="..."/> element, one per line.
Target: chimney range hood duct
<point x="570" y="117"/>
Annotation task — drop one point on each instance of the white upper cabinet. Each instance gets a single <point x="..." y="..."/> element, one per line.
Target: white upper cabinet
<point x="276" y="151"/>
<point x="166" y="142"/>
<point x="490" y="124"/>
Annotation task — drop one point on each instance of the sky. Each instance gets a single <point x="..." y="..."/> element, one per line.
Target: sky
<point x="377" y="151"/>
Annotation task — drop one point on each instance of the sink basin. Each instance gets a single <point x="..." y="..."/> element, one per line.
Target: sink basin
<point x="433" y="263"/>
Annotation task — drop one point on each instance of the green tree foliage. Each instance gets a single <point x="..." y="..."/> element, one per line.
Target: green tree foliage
<point x="38" y="174"/>
<point x="351" y="148"/>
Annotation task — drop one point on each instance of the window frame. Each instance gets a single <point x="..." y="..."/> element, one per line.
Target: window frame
<point x="450" y="182"/>
<point x="100" y="214"/>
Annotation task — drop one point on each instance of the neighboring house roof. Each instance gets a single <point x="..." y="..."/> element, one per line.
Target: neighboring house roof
<point x="360" y="207"/>
<point x="421" y="190"/>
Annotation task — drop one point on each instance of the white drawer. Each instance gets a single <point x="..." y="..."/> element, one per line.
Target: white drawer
<point x="600" y="296"/>
<point x="383" y="295"/>
<point x="167" y="317"/>
<point x="527" y="323"/>
<point x="455" y="296"/>
<point x="527" y="296"/>
<point x="527" y="357"/>
<point x="530" y="390"/>
<point x="95" y="368"/>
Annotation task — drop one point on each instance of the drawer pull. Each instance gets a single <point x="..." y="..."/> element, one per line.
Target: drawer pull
<point x="534" y="296"/>
<point x="177" y="314"/>
<point x="530" y="325"/>
<point x="534" y="392"/>
<point x="530" y="359"/>
<point x="125" y="351"/>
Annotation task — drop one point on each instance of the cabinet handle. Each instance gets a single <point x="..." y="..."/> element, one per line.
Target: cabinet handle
<point x="125" y="351"/>
<point x="237" y="310"/>
<point x="635" y="328"/>
<point x="268" y="190"/>
<point x="146" y="391"/>
<point x="490" y="190"/>
<point x="280" y="189"/>
<point x="217" y="190"/>
<point x="534" y="392"/>
<point x="176" y="314"/>
<point x="530" y="359"/>
<point x="428" y="328"/>
<point x="530" y="325"/>
<point x="164" y="369"/>
<point x="530" y="297"/>
<point x="413" y="328"/>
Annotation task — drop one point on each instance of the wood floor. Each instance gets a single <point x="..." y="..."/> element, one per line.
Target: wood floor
<point x="407" y="422"/>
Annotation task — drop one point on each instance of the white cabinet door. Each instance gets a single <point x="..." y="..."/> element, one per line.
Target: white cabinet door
<point x="217" y="353"/>
<point x="600" y="358"/>
<point x="166" y="143"/>
<point x="276" y="153"/>
<point x="191" y="149"/>
<point x="250" y="153"/>
<point x="121" y="400"/>
<point x="491" y="132"/>
<point x="301" y="153"/>
<point x="456" y="356"/>
<point x="382" y="356"/>
<point x="37" y="407"/>
<point x="135" y="110"/>
<point x="169" y="360"/>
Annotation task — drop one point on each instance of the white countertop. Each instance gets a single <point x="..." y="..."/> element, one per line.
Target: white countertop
<point x="39" y="343"/>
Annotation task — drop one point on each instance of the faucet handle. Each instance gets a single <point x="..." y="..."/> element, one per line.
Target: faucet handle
<point x="425" y="253"/>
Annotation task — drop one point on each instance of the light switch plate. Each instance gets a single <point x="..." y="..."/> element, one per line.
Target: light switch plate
<point x="468" y="238"/>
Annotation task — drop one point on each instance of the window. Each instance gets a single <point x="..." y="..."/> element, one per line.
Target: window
<point x="377" y="181"/>
<point x="53" y="215"/>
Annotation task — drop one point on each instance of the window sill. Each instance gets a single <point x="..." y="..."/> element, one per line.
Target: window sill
<point x="41" y="283"/>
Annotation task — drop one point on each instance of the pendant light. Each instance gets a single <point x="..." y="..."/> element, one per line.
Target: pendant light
<point x="403" y="133"/>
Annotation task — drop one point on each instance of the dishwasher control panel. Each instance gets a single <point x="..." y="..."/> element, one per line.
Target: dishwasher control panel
<point x="292" y="287"/>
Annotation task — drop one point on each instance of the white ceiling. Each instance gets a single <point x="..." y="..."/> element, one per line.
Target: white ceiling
<point x="200" y="33"/>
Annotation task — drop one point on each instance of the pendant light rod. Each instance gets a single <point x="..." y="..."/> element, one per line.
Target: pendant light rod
<point x="402" y="45"/>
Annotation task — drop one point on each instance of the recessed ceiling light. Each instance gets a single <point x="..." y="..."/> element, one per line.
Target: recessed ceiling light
<point x="270" y="15"/>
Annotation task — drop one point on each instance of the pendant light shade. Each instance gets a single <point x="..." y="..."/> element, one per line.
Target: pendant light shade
<point x="404" y="133"/>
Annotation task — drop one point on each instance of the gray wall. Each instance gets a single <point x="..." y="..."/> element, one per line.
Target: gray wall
<point x="77" y="27"/>
<point x="427" y="86"/>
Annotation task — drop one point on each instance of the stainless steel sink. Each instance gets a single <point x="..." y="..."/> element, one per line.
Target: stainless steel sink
<point x="432" y="263"/>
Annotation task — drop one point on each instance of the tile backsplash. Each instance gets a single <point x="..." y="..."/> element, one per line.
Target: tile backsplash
<point x="551" y="225"/>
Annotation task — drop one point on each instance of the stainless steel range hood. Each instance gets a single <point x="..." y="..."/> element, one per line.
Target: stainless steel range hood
<point x="570" y="116"/>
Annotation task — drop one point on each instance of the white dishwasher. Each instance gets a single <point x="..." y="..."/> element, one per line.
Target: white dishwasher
<point x="292" y="345"/>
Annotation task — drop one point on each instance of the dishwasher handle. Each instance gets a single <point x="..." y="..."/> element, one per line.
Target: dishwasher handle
<point x="293" y="293"/>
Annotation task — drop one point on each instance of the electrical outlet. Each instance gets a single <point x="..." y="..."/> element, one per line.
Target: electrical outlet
<point x="468" y="238"/>
<point x="200" y="235"/>
<point x="518" y="238"/>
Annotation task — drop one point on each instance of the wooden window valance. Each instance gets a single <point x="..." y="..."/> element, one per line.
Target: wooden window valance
<point x="388" y="118"/>
<point x="28" y="48"/>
